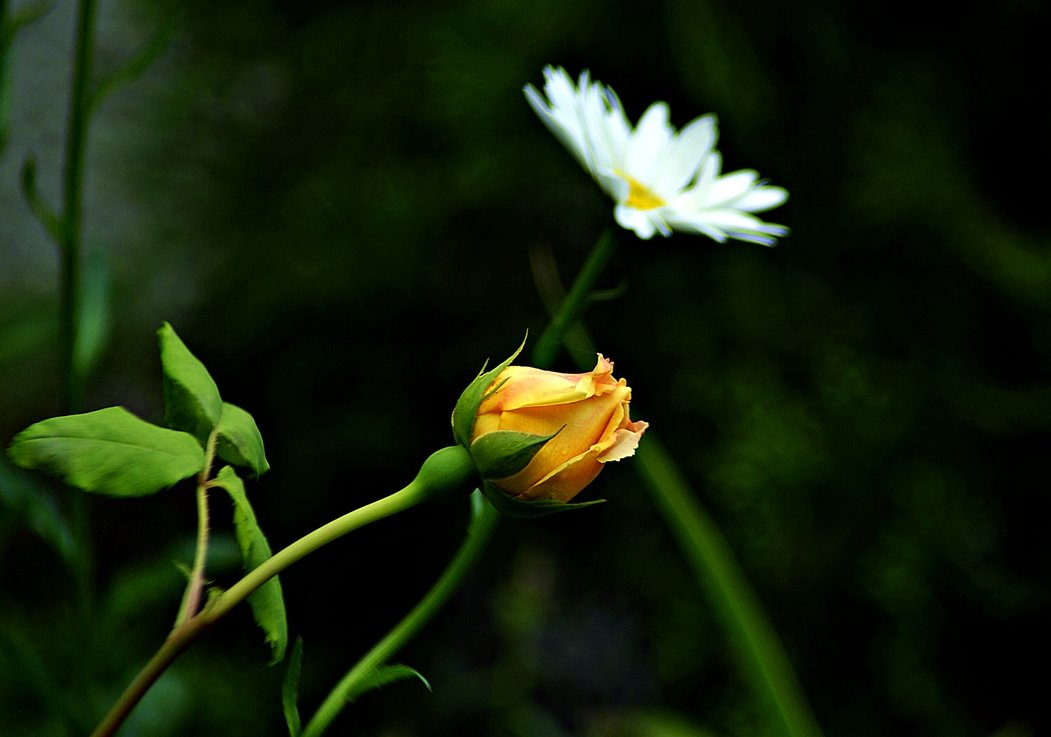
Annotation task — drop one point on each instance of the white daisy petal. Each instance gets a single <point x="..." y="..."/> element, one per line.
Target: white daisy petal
<point x="692" y="222"/>
<point x="594" y="116"/>
<point x="618" y="128"/>
<point x="759" y="237"/>
<point x="762" y="198"/>
<point x="661" y="180"/>
<point x="632" y="219"/>
<point x="684" y="155"/>
<point x="696" y="197"/>
<point x="732" y="220"/>
<point x="652" y="135"/>
<point x="729" y="187"/>
<point x="564" y="127"/>
<point x="615" y="186"/>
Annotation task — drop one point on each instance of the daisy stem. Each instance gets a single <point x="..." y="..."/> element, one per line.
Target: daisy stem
<point x="707" y="552"/>
<point x="575" y="302"/>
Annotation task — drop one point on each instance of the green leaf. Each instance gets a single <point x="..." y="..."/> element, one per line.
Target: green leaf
<point x="384" y="676"/>
<point x="240" y="442"/>
<point x="109" y="451"/>
<point x="512" y="507"/>
<point x="191" y="398"/>
<point x="467" y="405"/>
<point x="504" y="453"/>
<point x="290" y="689"/>
<point x="267" y="602"/>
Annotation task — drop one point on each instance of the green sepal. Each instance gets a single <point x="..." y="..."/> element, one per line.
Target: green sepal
<point x="267" y="602"/>
<point x="384" y="676"/>
<point x="108" y="451"/>
<point x="239" y="440"/>
<point x="191" y="398"/>
<point x="504" y="453"/>
<point x="467" y="405"/>
<point x="511" y="507"/>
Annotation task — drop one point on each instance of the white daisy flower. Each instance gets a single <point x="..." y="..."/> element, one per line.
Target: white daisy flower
<point x="661" y="179"/>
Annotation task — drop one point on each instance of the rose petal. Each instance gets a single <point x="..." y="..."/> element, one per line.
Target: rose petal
<point x="624" y="443"/>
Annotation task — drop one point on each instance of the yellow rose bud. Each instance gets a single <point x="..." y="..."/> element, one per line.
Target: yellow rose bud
<point x="589" y="413"/>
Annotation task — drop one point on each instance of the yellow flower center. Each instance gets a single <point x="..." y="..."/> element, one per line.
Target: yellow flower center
<point x="640" y="196"/>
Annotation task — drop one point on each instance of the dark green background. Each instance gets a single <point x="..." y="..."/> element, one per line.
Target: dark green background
<point x="335" y="205"/>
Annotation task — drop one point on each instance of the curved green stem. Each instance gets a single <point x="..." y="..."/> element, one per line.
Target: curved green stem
<point x="480" y="532"/>
<point x="399" y="501"/>
<point x="186" y="633"/>
<point x="180" y="638"/>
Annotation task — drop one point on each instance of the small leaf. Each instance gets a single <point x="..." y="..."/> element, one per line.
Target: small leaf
<point x="240" y="442"/>
<point x="504" y="453"/>
<point x="267" y="602"/>
<point x="191" y="398"/>
<point x="512" y="507"/>
<point x="290" y="689"/>
<point x="109" y="451"/>
<point x="384" y="676"/>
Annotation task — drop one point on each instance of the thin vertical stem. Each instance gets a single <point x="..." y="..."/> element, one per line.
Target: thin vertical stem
<point x="195" y="588"/>
<point x="575" y="301"/>
<point x="72" y="200"/>
<point x="69" y="296"/>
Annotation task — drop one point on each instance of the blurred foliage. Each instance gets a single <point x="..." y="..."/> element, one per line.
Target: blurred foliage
<point x="334" y="203"/>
